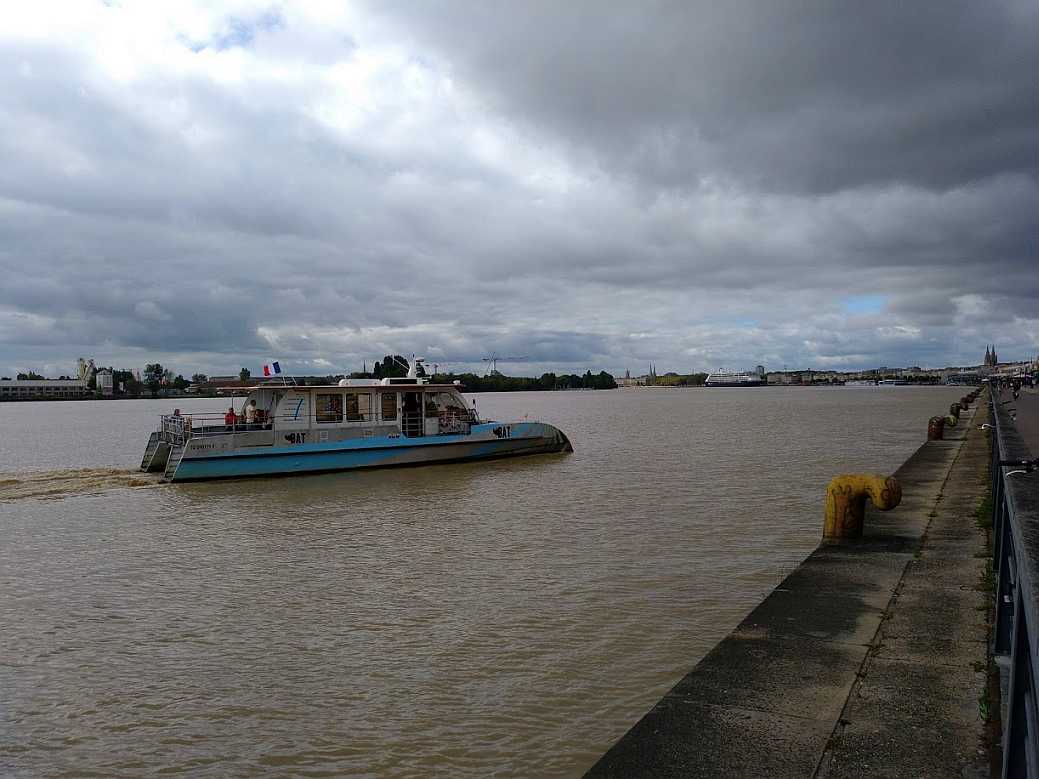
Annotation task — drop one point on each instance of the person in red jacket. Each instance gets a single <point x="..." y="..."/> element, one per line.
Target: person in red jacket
<point x="230" y="419"/>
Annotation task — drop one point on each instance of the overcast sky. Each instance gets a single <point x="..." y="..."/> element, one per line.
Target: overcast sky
<point x="597" y="185"/>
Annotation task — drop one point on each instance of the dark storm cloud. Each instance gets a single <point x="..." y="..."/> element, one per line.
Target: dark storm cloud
<point x="585" y="186"/>
<point x="930" y="306"/>
<point x="814" y="97"/>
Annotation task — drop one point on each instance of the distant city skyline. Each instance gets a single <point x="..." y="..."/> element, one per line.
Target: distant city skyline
<point x="691" y="185"/>
<point x="481" y="369"/>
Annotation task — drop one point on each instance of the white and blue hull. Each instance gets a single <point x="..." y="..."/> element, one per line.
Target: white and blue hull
<point x="484" y="441"/>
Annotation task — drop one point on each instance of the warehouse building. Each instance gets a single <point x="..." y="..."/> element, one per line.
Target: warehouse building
<point x="44" y="389"/>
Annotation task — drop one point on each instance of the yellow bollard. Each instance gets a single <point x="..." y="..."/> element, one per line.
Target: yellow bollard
<point x="846" y="502"/>
<point x="950" y="421"/>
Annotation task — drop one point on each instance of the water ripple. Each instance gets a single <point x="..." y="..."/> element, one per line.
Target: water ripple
<point x="510" y="619"/>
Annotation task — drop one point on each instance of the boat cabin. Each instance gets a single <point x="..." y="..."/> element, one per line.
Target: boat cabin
<point x="353" y="408"/>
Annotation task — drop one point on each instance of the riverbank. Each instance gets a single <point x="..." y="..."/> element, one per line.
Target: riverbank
<point x="869" y="659"/>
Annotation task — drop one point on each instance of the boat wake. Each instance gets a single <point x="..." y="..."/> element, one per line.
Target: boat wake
<point x="60" y="484"/>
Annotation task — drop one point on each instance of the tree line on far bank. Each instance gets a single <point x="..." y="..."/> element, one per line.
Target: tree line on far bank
<point x="497" y="382"/>
<point x="679" y="380"/>
<point x="155" y="378"/>
<point x="396" y="365"/>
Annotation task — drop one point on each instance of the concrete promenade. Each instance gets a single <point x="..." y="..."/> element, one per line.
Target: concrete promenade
<point x="1027" y="423"/>
<point x="868" y="660"/>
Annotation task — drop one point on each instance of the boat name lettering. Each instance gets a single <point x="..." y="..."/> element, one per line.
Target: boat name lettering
<point x="296" y="438"/>
<point x="503" y="431"/>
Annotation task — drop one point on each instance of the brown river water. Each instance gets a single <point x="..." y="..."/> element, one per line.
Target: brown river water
<point x="505" y="619"/>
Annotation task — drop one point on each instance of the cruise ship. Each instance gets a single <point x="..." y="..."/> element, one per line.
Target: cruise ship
<point x="755" y="378"/>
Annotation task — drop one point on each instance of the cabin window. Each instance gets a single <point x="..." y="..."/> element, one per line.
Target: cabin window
<point x="430" y="399"/>
<point x="449" y="401"/>
<point x="329" y="408"/>
<point x="451" y="410"/>
<point x="358" y="406"/>
<point x="389" y="405"/>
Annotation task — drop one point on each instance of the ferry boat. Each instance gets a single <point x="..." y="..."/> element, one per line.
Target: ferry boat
<point x="755" y="378"/>
<point x="357" y="423"/>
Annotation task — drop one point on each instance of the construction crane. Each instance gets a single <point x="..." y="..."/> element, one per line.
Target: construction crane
<point x="494" y="358"/>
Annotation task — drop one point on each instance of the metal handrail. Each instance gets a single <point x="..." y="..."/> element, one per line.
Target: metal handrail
<point x="1015" y="550"/>
<point x="177" y="429"/>
<point x="174" y="428"/>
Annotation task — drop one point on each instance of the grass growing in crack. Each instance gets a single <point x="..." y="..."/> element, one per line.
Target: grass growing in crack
<point x="983" y="513"/>
<point x="983" y="711"/>
<point x="987" y="580"/>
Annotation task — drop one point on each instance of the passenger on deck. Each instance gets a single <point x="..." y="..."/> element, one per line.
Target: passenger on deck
<point x="250" y="413"/>
<point x="230" y="419"/>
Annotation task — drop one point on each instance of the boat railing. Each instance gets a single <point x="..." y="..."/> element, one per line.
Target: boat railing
<point x="177" y="429"/>
<point x="174" y="428"/>
<point x="412" y="424"/>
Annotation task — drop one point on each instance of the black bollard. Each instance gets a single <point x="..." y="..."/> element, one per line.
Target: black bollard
<point x="935" y="428"/>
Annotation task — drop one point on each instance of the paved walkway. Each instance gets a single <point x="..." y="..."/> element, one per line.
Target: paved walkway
<point x="916" y="709"/>
<point x="1027" y="406"/>
<point x="868" y="660"/>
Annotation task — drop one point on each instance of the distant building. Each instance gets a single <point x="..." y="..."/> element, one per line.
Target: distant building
<point x="43" y="389"/>
<point x="104" y="381"/>
<point x="631" y="381"/>
<point x="964" y="378"/>
<point x="225" y="385"/>
<point x="1012" y="369"/>
<point x="637" y="381"/>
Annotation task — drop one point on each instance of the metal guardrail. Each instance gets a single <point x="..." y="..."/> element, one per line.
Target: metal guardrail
<point x="174" y="429"/>
<point x="1015" y="550"/>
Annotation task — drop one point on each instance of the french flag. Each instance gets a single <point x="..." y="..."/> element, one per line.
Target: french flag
<point x="273" y="368"/>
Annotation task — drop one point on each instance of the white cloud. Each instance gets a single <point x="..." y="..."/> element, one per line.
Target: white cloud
<point x="333" y="181"/>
